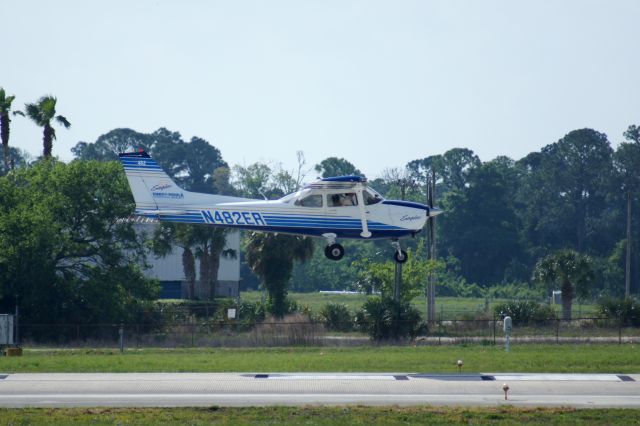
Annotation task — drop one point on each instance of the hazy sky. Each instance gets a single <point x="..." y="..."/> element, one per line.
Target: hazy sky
<point x="377" y="82"/>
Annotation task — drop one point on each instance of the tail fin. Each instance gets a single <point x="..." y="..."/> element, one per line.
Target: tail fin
<point x="152" y="188"/>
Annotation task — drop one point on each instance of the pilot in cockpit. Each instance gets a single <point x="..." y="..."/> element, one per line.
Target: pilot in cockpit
<point x="349" y="199"/>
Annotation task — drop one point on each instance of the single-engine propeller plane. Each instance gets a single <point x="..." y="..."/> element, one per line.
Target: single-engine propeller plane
<point x="333" y="208"/>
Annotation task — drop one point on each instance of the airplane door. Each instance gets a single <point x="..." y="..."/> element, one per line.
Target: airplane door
<point x="343" y="204"/>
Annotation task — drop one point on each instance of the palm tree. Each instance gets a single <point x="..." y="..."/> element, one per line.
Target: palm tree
<point x="271" y="257"/>
<point x="211" y="242"/>
<point x="207" y="243"/>
<point x="5" y="107"/>
<point x="168" y="234"/>
<point x="569" y="269"/>
<point x="42" y="113"/>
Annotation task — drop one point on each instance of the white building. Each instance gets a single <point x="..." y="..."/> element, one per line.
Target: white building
<point x="169" y="271"/>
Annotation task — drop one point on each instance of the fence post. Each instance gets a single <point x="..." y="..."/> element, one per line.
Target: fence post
<point x="620" y="330"/>
<point x="494" y="328"/>
<point x="557" y="330"/>
<point x="17" y="324"/>
<point x="137" y="335"/>
<point x="192" y="331"/>
<point x="121" y="331"/>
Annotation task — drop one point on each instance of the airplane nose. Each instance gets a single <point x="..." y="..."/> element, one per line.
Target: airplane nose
<point x="435" y="211"/>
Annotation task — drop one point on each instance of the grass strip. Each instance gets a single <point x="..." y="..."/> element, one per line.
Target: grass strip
<point x="347" y="415"/>
<point x="569" y="358"/>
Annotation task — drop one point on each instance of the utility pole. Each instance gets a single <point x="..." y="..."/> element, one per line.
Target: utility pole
<point x="627" y="283"/>
<point x="431" y="291"/>
<point x="397" y="290"/>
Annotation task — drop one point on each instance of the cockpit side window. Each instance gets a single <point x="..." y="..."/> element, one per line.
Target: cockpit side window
<point x="342" y="200"/>
<point x="311" y="200"/>
<point x="371" y="197"/>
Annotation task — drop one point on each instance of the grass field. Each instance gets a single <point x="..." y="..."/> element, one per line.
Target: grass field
<point x="431" y="359"/>
<point x="446" y="307"/>
<point x="320" y="416"/>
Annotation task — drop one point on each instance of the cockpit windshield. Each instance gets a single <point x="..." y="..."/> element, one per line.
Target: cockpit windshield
<point x="288" y="198"/>
<point x="371" y="197"/>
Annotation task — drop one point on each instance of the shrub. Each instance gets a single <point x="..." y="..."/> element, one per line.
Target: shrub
<point x="387" y="319"/>
<point x="294" y="329"/>
<point x="336" y="317"/>
<point x="247" y="315"/>
<point x="626" y="310"/>
<point x="524" y="311"/>
<point x="289" y="307"/>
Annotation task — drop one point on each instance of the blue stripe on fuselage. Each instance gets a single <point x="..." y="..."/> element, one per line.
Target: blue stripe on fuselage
<point x="406" y="204"/>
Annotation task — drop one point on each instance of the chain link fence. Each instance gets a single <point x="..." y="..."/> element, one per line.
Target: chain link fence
<point x="298" y="330"/>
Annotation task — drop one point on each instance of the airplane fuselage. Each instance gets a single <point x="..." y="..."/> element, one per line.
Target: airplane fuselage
<point x="386" y="219"/>
<point x="332" y="208"/>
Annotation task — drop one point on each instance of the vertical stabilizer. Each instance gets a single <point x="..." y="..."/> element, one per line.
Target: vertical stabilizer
<point x="152" y="188"/>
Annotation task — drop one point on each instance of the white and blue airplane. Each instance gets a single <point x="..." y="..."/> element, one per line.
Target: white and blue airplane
<point x="332" y="208"/>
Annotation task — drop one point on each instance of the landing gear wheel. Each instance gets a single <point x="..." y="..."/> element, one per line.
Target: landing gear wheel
<point x="400" y="256"/>
<point x="334" y="251"/>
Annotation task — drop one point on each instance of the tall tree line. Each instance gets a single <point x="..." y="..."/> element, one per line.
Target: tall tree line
<point x="502" y="216"/>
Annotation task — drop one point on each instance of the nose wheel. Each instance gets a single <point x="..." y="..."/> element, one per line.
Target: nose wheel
<point x="400" y="256"/>
<point x="334" y="251"/>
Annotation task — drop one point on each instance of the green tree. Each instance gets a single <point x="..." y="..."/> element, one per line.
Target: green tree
<point x="609" y="272"/>
<point x="452" y="169"/>
<point x="632" y="134"/>
<point x="255" y="181"/>
<point x="380" y="276"/>
<point x="481" y="226"/>
<point x="191" y="165"/>
<point x="17" y="158"/>
<point x="401" y="182"/>
<point x="387" y="319"/>
<point x="109" y="145"/>
<point x="271" y="257"/>
<point x="334" y="166"/>
<point x="65" y="253"/>
<point x="563" y="190"/>
<point x="42" y="113"/>
<point x="196" y="166"/>
<point x="570" y="270"/>
<point x="626" y="161"/>
<point x="221" y="181"/>
<point x="317" y="274"/>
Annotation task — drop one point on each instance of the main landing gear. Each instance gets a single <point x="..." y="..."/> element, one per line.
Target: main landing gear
<point x="335" y="251"/>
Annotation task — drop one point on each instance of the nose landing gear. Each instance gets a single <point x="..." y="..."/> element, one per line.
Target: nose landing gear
<point x="400" y="256"/>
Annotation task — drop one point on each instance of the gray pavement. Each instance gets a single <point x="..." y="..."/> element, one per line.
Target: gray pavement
<point x="231" y="389"/>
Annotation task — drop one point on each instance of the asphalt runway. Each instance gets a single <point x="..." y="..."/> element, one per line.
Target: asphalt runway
<point x="261" y="389"/>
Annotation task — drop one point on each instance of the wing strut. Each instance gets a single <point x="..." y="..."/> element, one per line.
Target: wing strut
<point x="363" y="214"/>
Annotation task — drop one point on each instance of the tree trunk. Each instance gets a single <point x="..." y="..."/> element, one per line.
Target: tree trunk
<point x="47" y="140"/>
<point x="277" y="299"/>
<point x="189" y="267"/>
<point x="205" y="273"/>
<point x="214" y="266"/>
<point x="4" y="133"/>
<point x="567" y="299"/>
